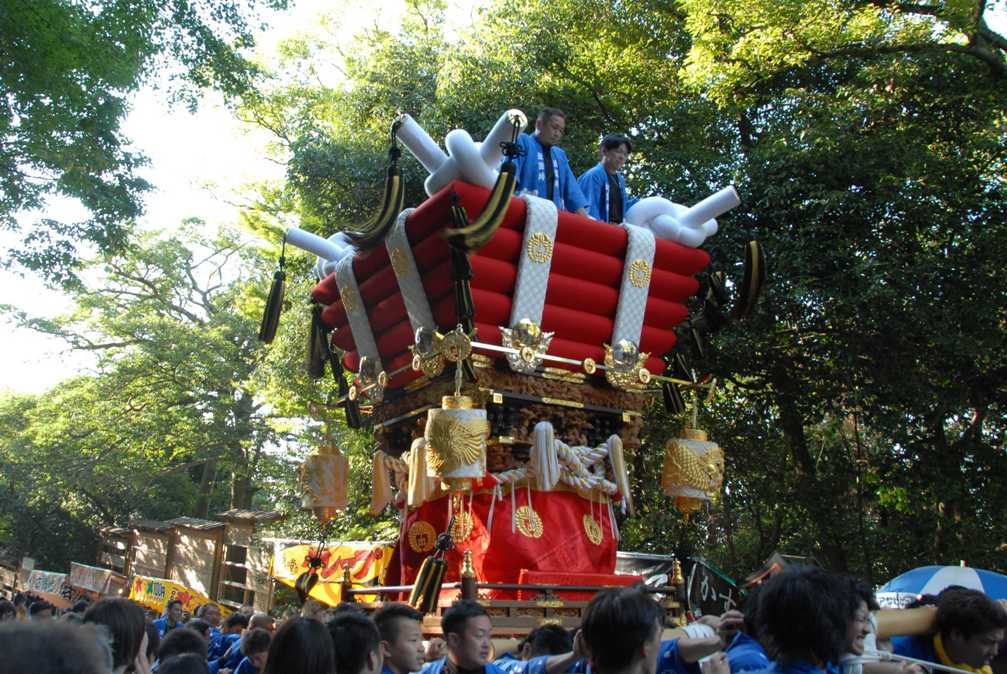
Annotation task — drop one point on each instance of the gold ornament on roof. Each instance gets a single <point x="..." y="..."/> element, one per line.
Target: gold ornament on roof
<point x="624" y="365"/>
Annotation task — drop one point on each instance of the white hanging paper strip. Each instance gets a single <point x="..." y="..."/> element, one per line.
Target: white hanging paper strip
<point x="636" y="274"/>
<point x="544" y="458"/>
<point x="400" y="254"/>
<point x="536" y="260"/>
<point x="353" y="303"/>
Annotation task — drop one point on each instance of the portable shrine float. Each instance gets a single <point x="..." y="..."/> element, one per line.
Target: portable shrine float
<point x="503" y="352"/>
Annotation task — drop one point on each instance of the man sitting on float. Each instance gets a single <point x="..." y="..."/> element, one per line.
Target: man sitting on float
<point x="543" y="168"/>
<point x="603" y="186"/>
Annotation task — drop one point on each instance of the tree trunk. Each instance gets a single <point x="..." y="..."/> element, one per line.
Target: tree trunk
<point x="205" y="487"/>
<point x="241" y="491"/>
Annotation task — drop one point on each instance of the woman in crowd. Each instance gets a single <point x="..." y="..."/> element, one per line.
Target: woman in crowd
<point x="125" y="625"/>
<point x="301" y="646"/>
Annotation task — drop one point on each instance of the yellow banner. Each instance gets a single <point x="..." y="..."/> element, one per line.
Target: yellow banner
<point x="156" y="592"/>
<point x="368" y="564"/>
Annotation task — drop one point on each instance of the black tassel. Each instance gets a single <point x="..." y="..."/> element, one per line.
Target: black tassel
<point x="318" y="349"/>
<point x="430" y="578"/>
<point x="673" y="400"/>
<point x="274" y="303"/>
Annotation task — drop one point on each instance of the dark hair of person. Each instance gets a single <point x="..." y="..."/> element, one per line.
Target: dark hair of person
<point x="616" y="625"/>
<point x="201" y="609"/>
<point x="301" y="646"/>
<point x="255" y="641"/>
<point x="124" y="621"/>
<point x="6" y="608"/>
<point x="548" y="640"/>
<point x="863" y="592"/>
<point x="153" y="640"/>
<point x="80" y="606"/>
<point x="388" y="618"/>
<point x="52" y="647"/>
<point x="354" y="636"/>
<point x="968" y="612"/>
<point x="200" y="626"/>
<point x="182" y="640"/>
<point x="236" y="619"/>
<point x="72" y="618"/>
<point x="187" y="663"/>
<point x="804" y="612"/>
<point x="172" y="602"/>
<point x="457" y="616"/>
<point x="545" y="114"/>
<point x="38" y="606"/>
<point x="751" y="612"/>
<point x="20" y="599"/>
<point x="614" y="140"/>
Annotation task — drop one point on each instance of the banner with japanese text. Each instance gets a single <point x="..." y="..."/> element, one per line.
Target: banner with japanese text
<point x="368" y="564"/>
<point x="156" y="592"/>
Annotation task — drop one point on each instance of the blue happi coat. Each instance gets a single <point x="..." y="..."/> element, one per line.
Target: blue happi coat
<point x="594" y="185"/>
<point x="437" y="667"/>
<point x="531" y="175"/>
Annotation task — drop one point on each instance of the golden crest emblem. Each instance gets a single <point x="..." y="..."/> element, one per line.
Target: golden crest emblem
<point x="639" y="273"/>
<point x="453" y="443"/>
<point x="462" y="527"/>
<point x="350" y="300"/>
<point x="400" y="263"/>
<point x="528" y="522"/>
<point x="539" y="247"/>
<point x="593" y="530"/>
<point x="421" y="536"/>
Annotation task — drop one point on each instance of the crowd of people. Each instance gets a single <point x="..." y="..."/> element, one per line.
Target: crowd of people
<point x="803" y="620"/>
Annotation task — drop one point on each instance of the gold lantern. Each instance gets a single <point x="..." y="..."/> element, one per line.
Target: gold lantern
<point x="323" y="482"/>
<point x="455" y="440"/>
<point x="693" y="470"/>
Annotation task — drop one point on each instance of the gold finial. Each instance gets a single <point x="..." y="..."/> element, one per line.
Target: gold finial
<point x="346" y="574"/>
<point x="468" y="571"/>
<point x="676" y="574"/>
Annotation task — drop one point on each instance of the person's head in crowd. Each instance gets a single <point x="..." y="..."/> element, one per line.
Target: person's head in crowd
<point x="804" y="613"/>
<point x="301" y="646"/>
<point x="614" y="149"/>
<point x="255" y="645"/>
<point x="859" y="627"/>
<point x="342" y="607"/>
<point x="210" y="613"/>
<point x="262" y="621"/>
<point x="401" y="637"/>
<point x="125" y="624"/>
<point x="621" y="629"/>
<point x="751" y="612"/>
<point x="153" y="640"/>
<point x="80" y="606"/>
<point x="550" y="125"/>
<point x="199" y="626"/>
<point x="187" y="663"/>
<point x="7" y="611"/>
<point x="173" y="612"/>
<point x="53" y="647"/>
<point x="545" y="640"/>
<point x="247" y="609"/>
<point x="356" y="643"/>
<point x="40" y="609"/>
<point x="235" y="623"/>
<point x="182" y="640"/>
<point x="72" y="618"/>
<point x="971" y="626"/>
<point x="467" y="627"/>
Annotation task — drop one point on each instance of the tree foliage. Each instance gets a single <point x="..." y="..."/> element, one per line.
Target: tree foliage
<point x="68" y="69"/>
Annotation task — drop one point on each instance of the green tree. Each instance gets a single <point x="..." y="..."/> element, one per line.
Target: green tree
<point x="68" y="69"/>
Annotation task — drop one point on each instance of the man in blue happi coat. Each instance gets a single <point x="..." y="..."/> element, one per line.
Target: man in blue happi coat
<point x="543" y="168"/>
<point x="603" y="186"/>
<point x="172" y="617"/>
<point x="467" y="629"/>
